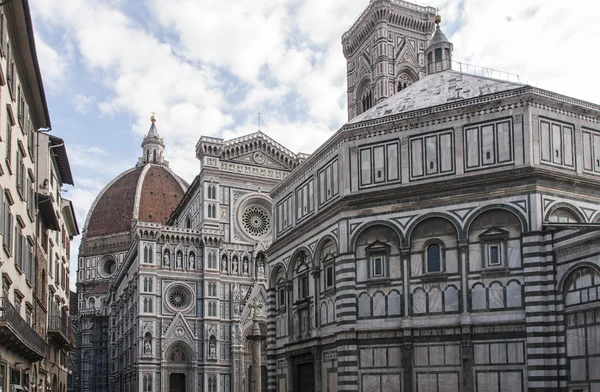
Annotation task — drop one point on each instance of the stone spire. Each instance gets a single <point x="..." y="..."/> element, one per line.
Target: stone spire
<point x="153" y="147"/>
<point x="439" y="51"/>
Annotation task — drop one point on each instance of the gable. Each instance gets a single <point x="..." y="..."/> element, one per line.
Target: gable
<point x="258" y="149"/>
<point x="178" y="331"/>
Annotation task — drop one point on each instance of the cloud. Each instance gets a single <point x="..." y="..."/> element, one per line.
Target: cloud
<point x="82" y="103"/>
<point x="53" y="65"/>
<point x="207" y="67"/>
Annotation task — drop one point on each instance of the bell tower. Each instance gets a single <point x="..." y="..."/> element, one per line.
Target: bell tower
<point x="385" y="51"/>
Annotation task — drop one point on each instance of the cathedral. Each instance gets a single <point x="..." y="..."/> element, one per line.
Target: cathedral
<point x="446" y="238"/>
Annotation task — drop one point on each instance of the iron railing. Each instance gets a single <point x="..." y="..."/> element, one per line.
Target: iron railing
<point x="62" y="326"/>
<point x="470" y="69"/>
<point x="12" y="320"/>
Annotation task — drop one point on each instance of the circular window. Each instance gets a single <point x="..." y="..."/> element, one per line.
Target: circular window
<point x="109" y="266"/>
<point x="179" y="298"/>
<point x="256" y="221"/>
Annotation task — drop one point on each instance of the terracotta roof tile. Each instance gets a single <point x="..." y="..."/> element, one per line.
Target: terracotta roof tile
<point x="161" y="193"/>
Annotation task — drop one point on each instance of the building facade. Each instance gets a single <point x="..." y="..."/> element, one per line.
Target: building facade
<point x="444" y="239"/>
<point x="36" y="223"/>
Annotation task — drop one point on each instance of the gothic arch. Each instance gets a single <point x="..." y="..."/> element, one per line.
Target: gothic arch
<point x="187" y="350"/>
<point x="367" y="225"/>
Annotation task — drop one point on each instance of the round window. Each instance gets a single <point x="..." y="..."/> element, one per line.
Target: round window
<point x="256" y="221"/>
<point x="179" y="298"/>
<point x="109" y="266"/>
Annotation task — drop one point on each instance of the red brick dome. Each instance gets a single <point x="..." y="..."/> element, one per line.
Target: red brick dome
<point x="148" y="193"/>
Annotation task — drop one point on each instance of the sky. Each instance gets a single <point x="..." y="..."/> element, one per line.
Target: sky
<point x="207" y="67"/>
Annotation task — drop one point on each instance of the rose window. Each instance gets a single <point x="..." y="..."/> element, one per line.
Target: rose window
<point x="178" y="299"/>
<point x="256" y="221"/>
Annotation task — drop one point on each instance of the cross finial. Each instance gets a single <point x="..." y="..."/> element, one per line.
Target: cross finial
<point x="153" y="117"/>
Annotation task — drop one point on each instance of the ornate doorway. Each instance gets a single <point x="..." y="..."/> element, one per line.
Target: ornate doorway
<point x="304" y="373"/>
<point x="177" y="382"/>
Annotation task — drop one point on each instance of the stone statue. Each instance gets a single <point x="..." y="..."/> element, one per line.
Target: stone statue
<point x="212" y="349"/>
<point x="245" y="266"/>
<point x="236" y="301"/>
<point x="147" y="347"/>
<point x="234" y="266"/>
<point x="178" y="261"/>
<point x="192" y="262"/>
<point x="166" y="260"/>
<point x="261" y="268"/>
<point x="224" y="265"/>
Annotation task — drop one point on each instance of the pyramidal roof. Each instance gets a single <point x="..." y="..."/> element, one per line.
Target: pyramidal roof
<point x="153" y="132"/>
<point x="436" y="89"/>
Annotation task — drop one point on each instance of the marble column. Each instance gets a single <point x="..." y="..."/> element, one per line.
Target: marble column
<point x="256" y="338"/>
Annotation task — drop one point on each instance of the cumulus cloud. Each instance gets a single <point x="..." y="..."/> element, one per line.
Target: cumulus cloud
<point x="207" y="67"/>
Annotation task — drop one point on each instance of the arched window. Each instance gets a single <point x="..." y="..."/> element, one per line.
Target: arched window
<point x="147" y="155"/>
<point x="434" y="258"/>
<point x="154" y="156"/>
<point x="188" y="223"/>
<point x="147" y="385"/>
<point x="366" y="100"/>
<point x="212" y="383"/>
<point x="582" y="316"/>
<point x="92" y="303"/>
<point x="327" y="260"/>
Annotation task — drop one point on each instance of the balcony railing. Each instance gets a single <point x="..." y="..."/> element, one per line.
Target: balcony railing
<point x="16" y="335"/>
<point x="59" y="329"/>
<point x="444" y="65"/>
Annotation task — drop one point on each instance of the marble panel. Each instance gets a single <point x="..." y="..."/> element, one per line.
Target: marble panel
<point x="366" y="358"/>
<point x="478" y="298"/>
<point x="380" y="357"/>
<point x="416" y="265"/>
<point x="514" y="254"/>
<point x="379" y="305"/>
<point x="514" y="352"/>
<point x="394" y="357"/>
<point x="448" y="382"/>
<point x="487" y="382"/>
<point x="390" y="382"/>
<point x="371" y="383"/>
<point x="436" y="355"/>
<point x="427" y="382"/>
<point x="474" y="257"/>
<point x="511" y="381"/>
<point x="332" y="381"/>
<point x="394" y="304"/>
<point x="451" y="299"/>
<point x="594" y="339"/>
<point x="452" y="261"/>
<point x="421" y="354"/>
<point x="330" y="312"/>
<point x="419" y="302"/>
<point x="452" y="356"/>
<point x="496" y="292"/>
<point x="362" y="270"/>
<point x="395" y="265"/>
<point x="324" y="313"/>
<point x="364" y="305"/>
<point x="435" y="300"/>
<point x="594" y="365"/>
<point x="577" y="369"/>
<point x="575" y="342"/>
<point x="498" y="353"/>
<point x="513" y="295"/>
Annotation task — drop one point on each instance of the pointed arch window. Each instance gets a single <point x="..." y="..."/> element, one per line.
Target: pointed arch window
<point x="147" y="385"/>
<point x="212" y="383"/>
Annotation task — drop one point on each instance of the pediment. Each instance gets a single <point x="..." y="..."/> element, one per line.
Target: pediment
<point x="258" y="158"/>
<point x="257" y="149"/>
<point x="179" y="331"/>
<point x="494" y="232"/>
<point x="377" y="245"/>
<point x="256" y="300"/>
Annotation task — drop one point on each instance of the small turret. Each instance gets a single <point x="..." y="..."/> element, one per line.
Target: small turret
<point x="439" y="52"/>
<point x="153" y="147"/>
